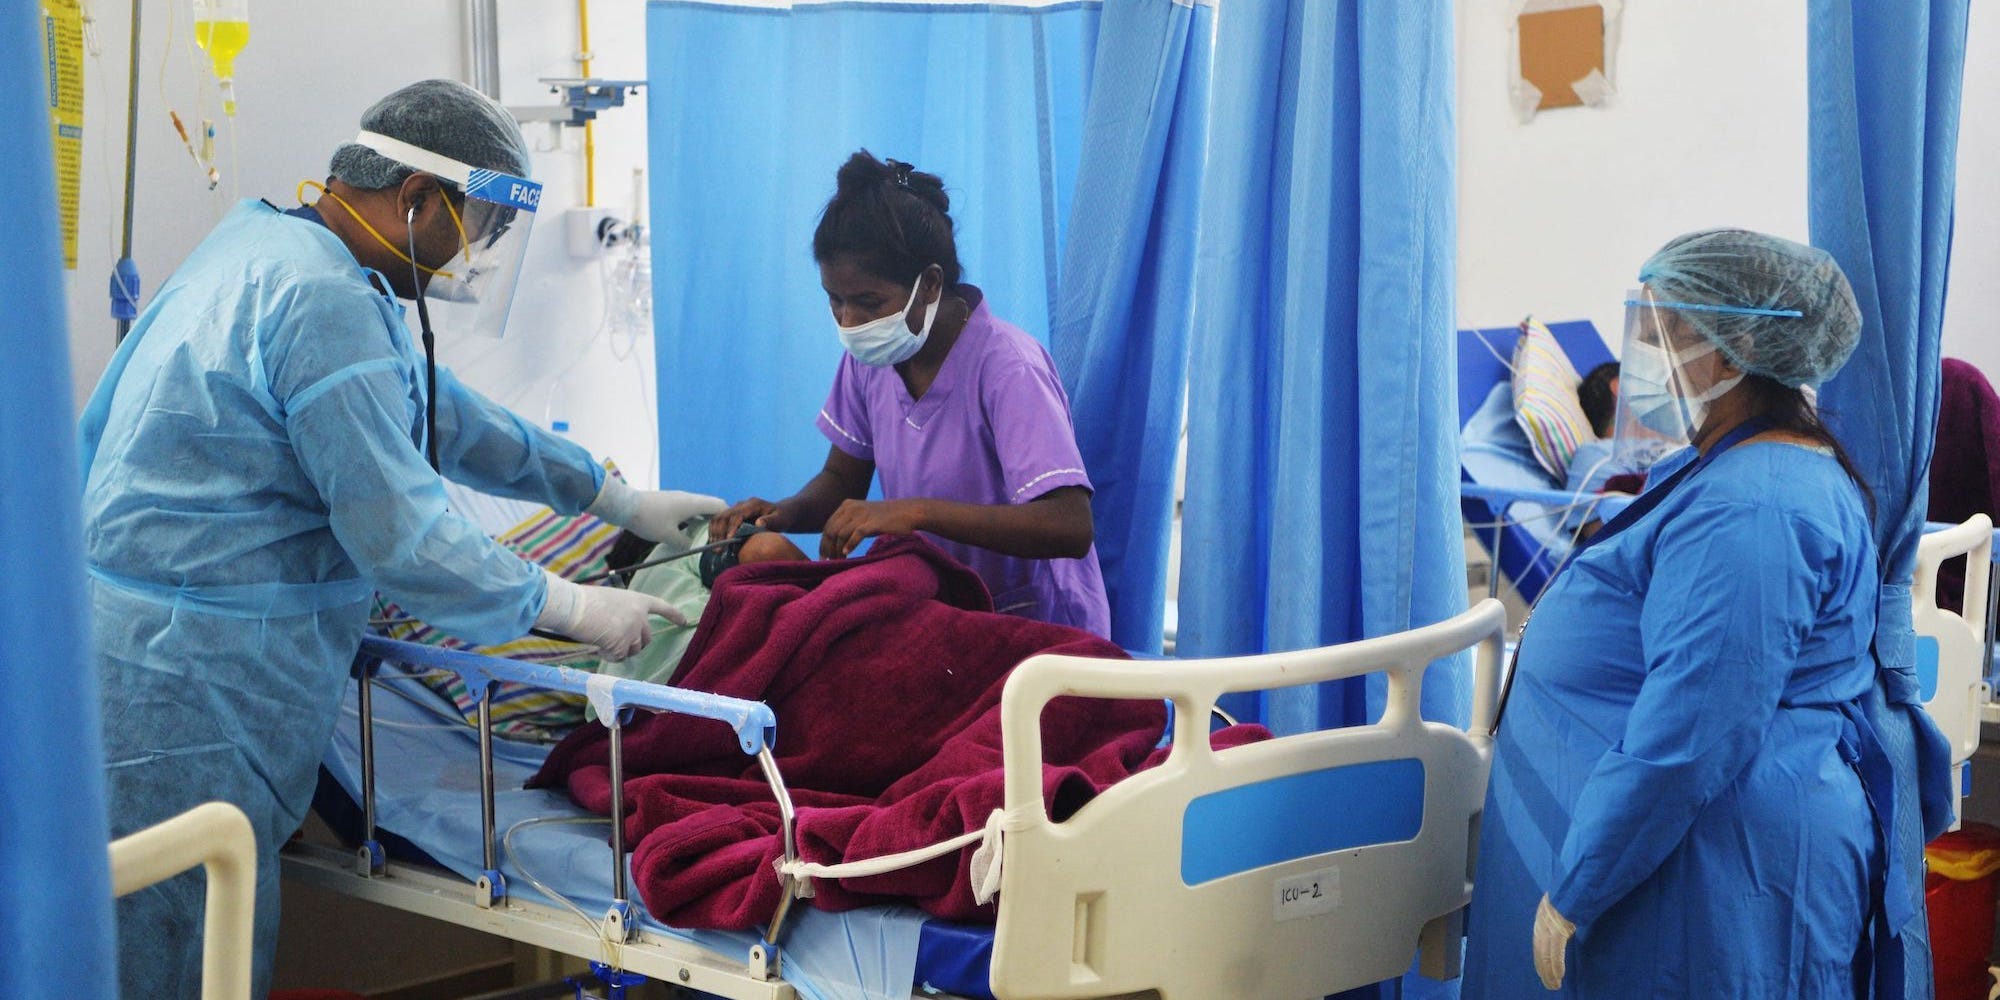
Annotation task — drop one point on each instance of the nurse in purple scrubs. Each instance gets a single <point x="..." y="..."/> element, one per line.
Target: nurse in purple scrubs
<point x="959" y="411"/>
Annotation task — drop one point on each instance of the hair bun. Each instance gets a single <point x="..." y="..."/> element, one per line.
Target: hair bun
<point x="861" y="172"/>
<point x="891" y="218"/>
<point x="929" y="187"/>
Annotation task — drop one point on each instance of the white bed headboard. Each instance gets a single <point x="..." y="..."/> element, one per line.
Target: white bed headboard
<point x="1949" y="653"/>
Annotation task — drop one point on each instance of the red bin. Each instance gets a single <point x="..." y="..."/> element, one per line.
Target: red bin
<point x="1960" y="894"/>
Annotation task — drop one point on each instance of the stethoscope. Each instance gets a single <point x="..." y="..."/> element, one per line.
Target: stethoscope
<point x="430" y="343"/>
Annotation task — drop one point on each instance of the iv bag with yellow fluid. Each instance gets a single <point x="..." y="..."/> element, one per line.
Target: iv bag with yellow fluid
<point x="222" y="28"/>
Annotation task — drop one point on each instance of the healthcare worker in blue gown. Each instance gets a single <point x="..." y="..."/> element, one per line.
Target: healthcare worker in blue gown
<point x="255" y="467"/>
<point x="1684" y="795"/>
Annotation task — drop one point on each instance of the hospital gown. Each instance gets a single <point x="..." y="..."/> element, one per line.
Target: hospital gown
<point x="1670" y="767"/>
<point x="253" y="472"/>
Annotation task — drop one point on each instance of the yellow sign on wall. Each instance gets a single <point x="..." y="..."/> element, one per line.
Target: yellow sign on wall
<point x="62" y="47"/>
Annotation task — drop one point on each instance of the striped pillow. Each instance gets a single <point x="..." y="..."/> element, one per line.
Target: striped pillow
<point x="568" y="546"/>
<point x="1545" y="403"/>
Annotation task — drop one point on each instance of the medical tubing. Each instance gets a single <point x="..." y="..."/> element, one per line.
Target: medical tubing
<point x="611" y="953"/>
<point x="1500" y="500"/>
<point x="627" y="571"/>
<point x="513" y="862"/>
<point x="1575" y="500"/>
<point x="1490" y="349"/>
<point x="576" y="356"/>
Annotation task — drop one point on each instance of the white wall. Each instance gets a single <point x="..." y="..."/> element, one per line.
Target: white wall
<point x="302" y="84"/>
<point x="1971" y="315"/>
<point x="1708" y="128"/>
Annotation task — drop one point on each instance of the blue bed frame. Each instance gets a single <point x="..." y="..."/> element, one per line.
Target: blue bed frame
<point x="1478" y="371"/>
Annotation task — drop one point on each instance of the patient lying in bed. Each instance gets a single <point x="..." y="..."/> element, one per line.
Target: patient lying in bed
<point x="1593" y="468"/>
<point x="686" y="583"/>
<point x="580" y="547"/>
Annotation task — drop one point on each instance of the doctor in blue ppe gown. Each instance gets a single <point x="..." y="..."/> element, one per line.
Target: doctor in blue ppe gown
<point x="1684" y="791"/>
<point x="255" y="468"/>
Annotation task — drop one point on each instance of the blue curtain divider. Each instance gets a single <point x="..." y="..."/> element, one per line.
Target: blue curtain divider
<point x="1127" y="293"/>
<point x="1884" y="82"/>
<point x="752" y="109"/>
<point x="1322" y="476"/>
<point x="55" y="880"/>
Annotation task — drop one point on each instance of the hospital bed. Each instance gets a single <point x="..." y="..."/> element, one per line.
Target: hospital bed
<point x="1296" y="867"/>
<point x="1506" y="497"/>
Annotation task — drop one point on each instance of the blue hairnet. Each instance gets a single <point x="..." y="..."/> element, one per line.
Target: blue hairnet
<point x="1747" y="270"/>
<point x="443" y="116"/>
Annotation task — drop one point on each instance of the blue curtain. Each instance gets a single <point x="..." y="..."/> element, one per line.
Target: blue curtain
<point x="1322" y="459"/>
<point x="1127" y="293"/>
<point x="751" y="109"/>
<point x="55" y="881"/>
<point x="1884" y="78"/>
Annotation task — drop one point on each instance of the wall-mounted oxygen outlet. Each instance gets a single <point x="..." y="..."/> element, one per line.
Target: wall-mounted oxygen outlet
<point x="591" y="231"/>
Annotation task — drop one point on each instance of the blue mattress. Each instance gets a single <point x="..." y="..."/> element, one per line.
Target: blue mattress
<point x="428" y="794"/>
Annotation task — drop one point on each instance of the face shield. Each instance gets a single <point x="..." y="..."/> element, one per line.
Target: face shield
<point x="493" y="220"/>
<point x="1669" y="374"/>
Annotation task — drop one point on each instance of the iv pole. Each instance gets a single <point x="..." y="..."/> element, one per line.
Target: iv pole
<point x="125" y="274"/>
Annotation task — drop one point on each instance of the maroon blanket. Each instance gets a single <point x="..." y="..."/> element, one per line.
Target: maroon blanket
<point x="1965" y="469"/>
<point x="885" y="674"/>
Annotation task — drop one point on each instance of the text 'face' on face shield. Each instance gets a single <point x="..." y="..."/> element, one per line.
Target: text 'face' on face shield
<point x="499" y="214"/>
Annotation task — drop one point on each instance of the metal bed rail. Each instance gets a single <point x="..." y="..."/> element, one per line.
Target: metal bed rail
<point x="614" y="699"/>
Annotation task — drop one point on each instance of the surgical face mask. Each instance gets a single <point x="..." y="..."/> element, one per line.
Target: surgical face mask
<point x="888" y="341"/>
<point x="460" y="277"/>
<point x="1650" y="378"/>
<point x="491" y="216"/>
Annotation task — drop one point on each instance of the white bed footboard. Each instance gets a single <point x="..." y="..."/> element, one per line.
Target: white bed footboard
<point x="1289" y="869"/>
<point x="1951" y="647"/>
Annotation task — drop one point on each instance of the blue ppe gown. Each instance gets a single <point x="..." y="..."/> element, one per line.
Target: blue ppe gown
<point x="253" y="470"/>
<point x="1673" y="764"/>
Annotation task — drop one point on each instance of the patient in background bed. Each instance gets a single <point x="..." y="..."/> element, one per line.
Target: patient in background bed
<point x="1592" y="468"/>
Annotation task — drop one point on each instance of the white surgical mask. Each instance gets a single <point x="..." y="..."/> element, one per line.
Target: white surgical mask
<point x="1647" y="378"/>
<point x="888" y="341"/>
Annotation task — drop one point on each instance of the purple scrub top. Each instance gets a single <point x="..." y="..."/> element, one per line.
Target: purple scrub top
<point x="994" y="428"/>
